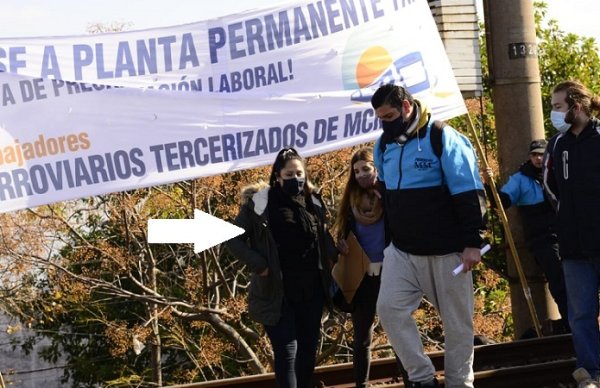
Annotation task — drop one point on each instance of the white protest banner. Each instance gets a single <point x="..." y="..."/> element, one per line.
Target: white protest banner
<point x="89" y="115"/>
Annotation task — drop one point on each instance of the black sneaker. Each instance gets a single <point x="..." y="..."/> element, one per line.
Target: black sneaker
<point x="428" y="384"/>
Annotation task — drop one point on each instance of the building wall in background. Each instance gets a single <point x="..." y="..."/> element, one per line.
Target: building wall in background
<point x="25" y="370"/>
<point x="458" y="25"/>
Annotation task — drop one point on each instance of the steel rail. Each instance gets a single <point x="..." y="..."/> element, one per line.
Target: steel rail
<point x="535" y="361"/>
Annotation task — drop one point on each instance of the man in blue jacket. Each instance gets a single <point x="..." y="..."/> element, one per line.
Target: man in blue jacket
<point x="525" y="189"/>
<point x="434" y="204"/>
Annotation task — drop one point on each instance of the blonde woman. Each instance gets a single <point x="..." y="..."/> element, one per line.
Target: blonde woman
<point x="361" y="212"/>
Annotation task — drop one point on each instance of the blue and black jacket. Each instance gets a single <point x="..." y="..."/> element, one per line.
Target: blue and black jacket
<point x="434" y="205"/>
<point x="525" y="189"/>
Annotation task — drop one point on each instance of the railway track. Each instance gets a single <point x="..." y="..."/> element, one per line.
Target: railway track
<point x="540" y="362"/>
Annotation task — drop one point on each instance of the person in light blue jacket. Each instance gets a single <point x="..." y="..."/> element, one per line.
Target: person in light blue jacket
<point x="525" y="189"/>
<point x="435" y="206"/>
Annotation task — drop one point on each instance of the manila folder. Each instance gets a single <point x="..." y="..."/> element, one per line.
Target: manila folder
<point x="350" y="269"/>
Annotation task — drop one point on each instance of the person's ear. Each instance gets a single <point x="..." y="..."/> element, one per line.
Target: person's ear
<point x="406" y="105"/>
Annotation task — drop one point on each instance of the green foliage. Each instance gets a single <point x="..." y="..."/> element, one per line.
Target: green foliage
<point x="563" y="56"/>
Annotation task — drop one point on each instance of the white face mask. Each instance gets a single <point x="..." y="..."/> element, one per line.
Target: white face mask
<point x="558" y="121"/>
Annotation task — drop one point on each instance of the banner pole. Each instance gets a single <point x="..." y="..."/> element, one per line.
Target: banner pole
<point x="509" y="237"/>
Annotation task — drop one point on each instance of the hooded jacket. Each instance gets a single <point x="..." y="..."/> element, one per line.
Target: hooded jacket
<point x="572" y="179"/>
<point x="434" y="205"/>
<point x="258" y="250"/>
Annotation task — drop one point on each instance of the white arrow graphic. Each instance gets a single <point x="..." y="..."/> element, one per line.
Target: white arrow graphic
<point x="204" y="231"/>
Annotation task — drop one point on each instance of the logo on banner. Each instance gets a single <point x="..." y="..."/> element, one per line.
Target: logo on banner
<point x="366" y="67"/>
<point x="376" y="67"/>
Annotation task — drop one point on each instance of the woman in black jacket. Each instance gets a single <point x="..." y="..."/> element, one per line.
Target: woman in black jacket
<point x="287" y="248"/>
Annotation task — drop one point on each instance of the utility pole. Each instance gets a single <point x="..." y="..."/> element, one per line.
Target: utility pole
<point x="516" y="95"/>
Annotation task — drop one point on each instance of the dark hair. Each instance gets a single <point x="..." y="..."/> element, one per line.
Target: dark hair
<point x="392" y="95"/>
<point x="351" y="192"/>
<point x="577" y="93"/>
<point x="284" y="156"/>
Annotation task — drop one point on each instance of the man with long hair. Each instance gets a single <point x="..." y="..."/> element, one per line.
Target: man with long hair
<point x="572" y="178"/>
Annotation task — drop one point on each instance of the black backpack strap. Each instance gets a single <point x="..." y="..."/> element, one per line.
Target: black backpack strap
<point x="436" y="137"/>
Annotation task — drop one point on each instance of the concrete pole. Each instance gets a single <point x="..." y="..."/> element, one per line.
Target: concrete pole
<point x="516" y="95"/>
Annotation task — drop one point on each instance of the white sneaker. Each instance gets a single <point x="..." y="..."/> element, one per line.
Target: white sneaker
<point x="584" y="380"/>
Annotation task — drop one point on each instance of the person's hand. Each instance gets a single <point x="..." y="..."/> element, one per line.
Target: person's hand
<point x="470" y="258"/>
<point x="376" y="192"/>
<point x="264" y="273"/>
<point x="342" y="246"/>
<point x="488" y="176"/>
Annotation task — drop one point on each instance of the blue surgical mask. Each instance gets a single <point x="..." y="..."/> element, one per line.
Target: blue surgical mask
<point x="558" y="121"/>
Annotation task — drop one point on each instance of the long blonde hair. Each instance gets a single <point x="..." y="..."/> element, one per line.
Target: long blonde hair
<point x="352" y="192"/>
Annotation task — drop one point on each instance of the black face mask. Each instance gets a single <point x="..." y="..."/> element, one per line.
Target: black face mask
<point x="528" y="169"/>
<point x="395" y="127"/>
<point x="293" y="186"/>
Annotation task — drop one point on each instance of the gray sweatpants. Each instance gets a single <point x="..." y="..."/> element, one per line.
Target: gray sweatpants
<point x="405" y="278"/>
